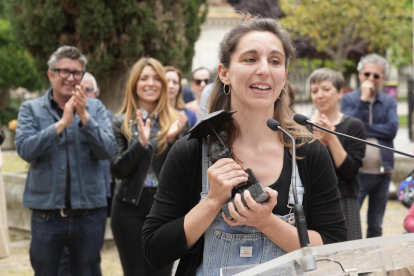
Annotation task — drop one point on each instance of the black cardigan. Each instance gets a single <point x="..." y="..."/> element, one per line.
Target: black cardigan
<point x="348" y="172"/>
<point x="179" y="191"/>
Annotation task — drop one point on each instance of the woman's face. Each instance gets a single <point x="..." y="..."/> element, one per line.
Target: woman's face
<point x="325" y="96"/>
<point x="149" y="87"/>
<point x="257" y="72"/>
<point x="173" y="81"/>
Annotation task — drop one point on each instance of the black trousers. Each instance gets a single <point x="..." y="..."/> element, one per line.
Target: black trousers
<point x="127" y="221"/>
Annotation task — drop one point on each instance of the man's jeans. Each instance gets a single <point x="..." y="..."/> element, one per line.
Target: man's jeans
<point x="376" y="186"/>
<point x="82" y="234"/>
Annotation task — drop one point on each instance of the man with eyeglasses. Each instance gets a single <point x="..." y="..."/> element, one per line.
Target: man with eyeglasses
<point x="378" y="112"/>
<point x="63" y="135"/>
<point x="201" y="77"/>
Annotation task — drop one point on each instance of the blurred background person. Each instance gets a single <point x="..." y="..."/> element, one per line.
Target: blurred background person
<point x="409" y="220"/>
<point x="188" y="95"/>
<point x="201" y="77"/>
<point x="378" y="112"/>
<point x="175" y="93"/>
<point x="92" y="91"/>
<point x="326" y="92"/>
<point x="145" y="129"/>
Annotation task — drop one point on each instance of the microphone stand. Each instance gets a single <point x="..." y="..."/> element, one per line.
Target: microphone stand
<point x="308" y="260"/>
<point x="351" y="137"/>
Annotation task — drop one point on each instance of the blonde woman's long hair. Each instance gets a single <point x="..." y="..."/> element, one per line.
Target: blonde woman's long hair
<point x="166" y="115"/>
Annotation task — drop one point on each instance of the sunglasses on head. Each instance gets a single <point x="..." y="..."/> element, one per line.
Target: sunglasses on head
<point x="376" y="76"/>
<point x="198" y="82"/>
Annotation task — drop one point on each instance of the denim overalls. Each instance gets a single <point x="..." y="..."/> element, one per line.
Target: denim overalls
<point x="227" y="246"/>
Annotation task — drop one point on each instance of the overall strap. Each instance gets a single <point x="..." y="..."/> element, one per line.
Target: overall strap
<point x="205" y="164"/>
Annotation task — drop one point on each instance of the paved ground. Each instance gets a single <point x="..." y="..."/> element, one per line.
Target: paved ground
<point x="18" y="262"/>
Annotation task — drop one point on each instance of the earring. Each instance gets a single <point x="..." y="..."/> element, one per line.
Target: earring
<point x="224" y="90"/>
<point x="284" y="94"/>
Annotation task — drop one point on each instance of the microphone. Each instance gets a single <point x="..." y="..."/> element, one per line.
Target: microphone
<point x="303" y="120"/>
<point x="307" y="261"/>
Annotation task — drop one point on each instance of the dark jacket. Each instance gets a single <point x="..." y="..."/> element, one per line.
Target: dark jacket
<point x="179" y="191"/>
<point x="132" y="161"/>
<point x="385" y="120"/>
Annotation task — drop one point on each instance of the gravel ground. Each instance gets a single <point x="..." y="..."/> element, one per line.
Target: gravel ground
<point x="18" y="262"/>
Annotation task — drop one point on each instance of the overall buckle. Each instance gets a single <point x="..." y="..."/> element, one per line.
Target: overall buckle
<point x="62" y="213"/>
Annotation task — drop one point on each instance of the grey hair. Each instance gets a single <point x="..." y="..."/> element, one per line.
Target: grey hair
<point x="66" y="52"/>
<point x="373" y="58"/>
<point x="94" y="83"/>
<point x="323" y="74"/>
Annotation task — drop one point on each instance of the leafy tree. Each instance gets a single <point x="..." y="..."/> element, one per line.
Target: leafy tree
<point x="16" y="69"/>
<point x="266" y="8"/>
<point x="339" y="27"/>
<point x="112" y="34"/>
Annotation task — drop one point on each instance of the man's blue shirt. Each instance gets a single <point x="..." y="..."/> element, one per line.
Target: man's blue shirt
<point x="384" y="120"/>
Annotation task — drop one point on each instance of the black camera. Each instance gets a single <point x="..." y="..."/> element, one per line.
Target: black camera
<point x="256" y="189"/>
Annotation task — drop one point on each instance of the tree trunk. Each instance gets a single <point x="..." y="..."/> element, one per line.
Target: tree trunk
<point x="112" y="89"/>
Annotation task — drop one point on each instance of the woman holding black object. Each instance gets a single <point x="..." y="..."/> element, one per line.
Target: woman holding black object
<point x="186" y="222"/>
<point x="347" y="154"/>
<point x="144" y="129"/>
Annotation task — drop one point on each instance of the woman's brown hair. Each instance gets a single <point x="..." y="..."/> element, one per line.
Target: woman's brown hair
<point x="166" y="115"/>
<point x="282" y="112"/>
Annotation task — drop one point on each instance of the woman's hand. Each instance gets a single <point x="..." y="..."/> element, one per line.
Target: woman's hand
<point x="254" y="214"/>
<point x="176" y="127"/>
<point x="326" y="123"/>
<point x="143" y="130"/>
<point x="223" y="176"/>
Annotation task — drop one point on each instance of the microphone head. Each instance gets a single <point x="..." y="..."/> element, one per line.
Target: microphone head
<point x="273" y="124"/>
<point x="300" y="119"/>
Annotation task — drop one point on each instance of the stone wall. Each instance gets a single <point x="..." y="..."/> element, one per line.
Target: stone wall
<point x="18" y="217"/>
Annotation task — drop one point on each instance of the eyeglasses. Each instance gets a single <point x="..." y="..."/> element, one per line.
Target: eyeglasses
<point x="376" y="76"/>
<point x="65" y="73"/>
<point x="89" y="89"/>
<point x="198" y="82"/>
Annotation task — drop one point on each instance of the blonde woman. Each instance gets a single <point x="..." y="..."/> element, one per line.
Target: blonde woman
<point x="144" y="129"/>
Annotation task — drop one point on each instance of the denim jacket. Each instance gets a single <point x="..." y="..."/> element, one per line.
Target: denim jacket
<point x="38" y="143"/>
<point x="384" y="120"/>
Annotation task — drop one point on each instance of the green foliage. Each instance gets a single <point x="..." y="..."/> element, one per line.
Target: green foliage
<point x="10" y="112"/>
<point x="112" y="34"/>
<point x="309" y="65"/>
<point x="338" y="27"/>
<point x="16" y="70"/>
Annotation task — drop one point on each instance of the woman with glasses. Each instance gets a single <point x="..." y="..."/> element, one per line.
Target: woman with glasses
<point x="347" y="154"/>
<point x="144" y="130"/>
<point x="175" y="93"/>
<point x="201" y="77"/>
